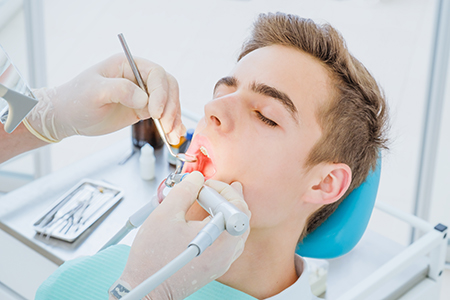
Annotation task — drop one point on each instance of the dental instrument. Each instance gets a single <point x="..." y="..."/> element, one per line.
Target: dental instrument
<point x="133" y="222"/>
<point x="13" y="89"/>
<point x="77" y="210"/>
<point x="204" y="239"/>
<point x="225" y="216"/>
<point x="138" y="218"/>
<point x="61" y="212"/>
<point x="64" y="217"/>
<point x="174" y="177"/>
<point x="138" y="76"/>
<point x="236" y="222"/>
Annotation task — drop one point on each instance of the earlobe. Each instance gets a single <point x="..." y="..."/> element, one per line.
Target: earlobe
<point x="333" y="183"/>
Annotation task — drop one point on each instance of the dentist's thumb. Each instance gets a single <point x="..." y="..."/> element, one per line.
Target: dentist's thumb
<point x="183" y="195"/>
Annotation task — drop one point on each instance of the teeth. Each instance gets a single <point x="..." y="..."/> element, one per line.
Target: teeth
<point x="204" y="151"/>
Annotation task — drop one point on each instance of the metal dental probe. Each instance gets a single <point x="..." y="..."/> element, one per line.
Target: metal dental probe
<point x="138" y="76"/>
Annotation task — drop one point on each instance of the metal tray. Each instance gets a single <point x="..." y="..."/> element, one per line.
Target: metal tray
<point x="77" y="209"/>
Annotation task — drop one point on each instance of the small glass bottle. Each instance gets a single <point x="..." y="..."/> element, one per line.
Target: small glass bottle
<point x="144" y="132"/>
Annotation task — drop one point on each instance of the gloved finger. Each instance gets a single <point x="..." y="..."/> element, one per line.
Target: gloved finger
<point x="153" y="75"/>
<point x="199" y="224"/>
<point x="117" y="66"/>
<point x="232" y="193"/>
<point x="239" y="249"/>
<point x="171" y="118"/>
<point x="123" y="91"/>
<point x="183" y="195"/>
<point x="178" y="131"/>
<point x="169" y="115"/>
<point x="142" y="113"/>
<point x="238" y="187"/>
<point x="161" y="86"/>
<point x="158" y="89"/>
<point x="229" y="192"/>
<point x="167" y="121"/>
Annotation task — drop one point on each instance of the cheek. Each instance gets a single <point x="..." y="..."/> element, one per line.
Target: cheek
<point x="272" y="195"/>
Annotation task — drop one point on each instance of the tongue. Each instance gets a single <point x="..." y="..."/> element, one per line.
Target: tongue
<point x="206" y="167"/>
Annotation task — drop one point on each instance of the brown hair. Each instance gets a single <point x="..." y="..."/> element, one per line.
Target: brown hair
<point x="354" y="121"/>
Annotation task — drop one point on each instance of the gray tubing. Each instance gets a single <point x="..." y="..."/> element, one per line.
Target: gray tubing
<point x="118" y="236"/>
<point x="159" y="277"/>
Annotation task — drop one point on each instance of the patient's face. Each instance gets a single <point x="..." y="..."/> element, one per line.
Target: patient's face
<point x="259" y="129"/>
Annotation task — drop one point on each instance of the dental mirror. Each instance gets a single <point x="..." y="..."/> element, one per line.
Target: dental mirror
<point x="180" y="156"/>
<point x="16" y="98"/>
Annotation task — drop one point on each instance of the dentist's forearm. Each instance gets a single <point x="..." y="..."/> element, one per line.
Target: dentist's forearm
<point x="18" y="142"/>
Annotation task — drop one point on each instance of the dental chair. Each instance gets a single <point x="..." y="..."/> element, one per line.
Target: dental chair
<point x="421" y="263"/>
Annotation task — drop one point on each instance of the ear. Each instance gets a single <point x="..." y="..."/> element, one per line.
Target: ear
<point x="330" y="183"/>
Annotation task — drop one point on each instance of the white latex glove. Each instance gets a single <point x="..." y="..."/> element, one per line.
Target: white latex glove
<point x="166" y="234"/>
<point x="106" y="98"/>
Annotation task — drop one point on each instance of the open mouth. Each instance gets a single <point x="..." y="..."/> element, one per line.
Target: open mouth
<point x="201" y="148"/>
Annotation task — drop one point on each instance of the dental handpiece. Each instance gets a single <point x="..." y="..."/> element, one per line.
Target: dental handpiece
<point x="225" y="216"/>
<point x="236" y="222"/>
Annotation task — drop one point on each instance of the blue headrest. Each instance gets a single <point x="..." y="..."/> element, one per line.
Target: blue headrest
<point x="345" y="227"/>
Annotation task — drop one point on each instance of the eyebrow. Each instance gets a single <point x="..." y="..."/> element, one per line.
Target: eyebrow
<point x="263" y="89"/>
<point x="228" y="81"/>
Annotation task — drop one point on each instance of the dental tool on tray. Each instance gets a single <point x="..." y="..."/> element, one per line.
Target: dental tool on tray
<point x="77" y="210"/>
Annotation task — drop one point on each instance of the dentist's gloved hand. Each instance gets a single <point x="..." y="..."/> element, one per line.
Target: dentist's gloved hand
<point x="106" y="98"/>
<point x="166" y="234"/>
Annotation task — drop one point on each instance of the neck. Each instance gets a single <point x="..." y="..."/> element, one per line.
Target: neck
<point x="265" y="268"/>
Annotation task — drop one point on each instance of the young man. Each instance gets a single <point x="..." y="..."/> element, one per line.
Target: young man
<point x="299" y="122"/>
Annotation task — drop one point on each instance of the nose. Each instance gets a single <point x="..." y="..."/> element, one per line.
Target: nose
<point x="223" y="113"/>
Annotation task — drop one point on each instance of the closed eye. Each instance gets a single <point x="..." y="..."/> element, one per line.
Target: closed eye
<point x="265" y="120"/>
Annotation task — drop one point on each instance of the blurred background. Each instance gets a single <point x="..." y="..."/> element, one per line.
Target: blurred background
<point x="198" y="42"/>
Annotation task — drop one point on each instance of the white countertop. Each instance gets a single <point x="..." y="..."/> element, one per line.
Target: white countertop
<point x="20" y="209"/>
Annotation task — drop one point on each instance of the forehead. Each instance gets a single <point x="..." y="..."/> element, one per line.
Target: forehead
<point x="302" y="77"/>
